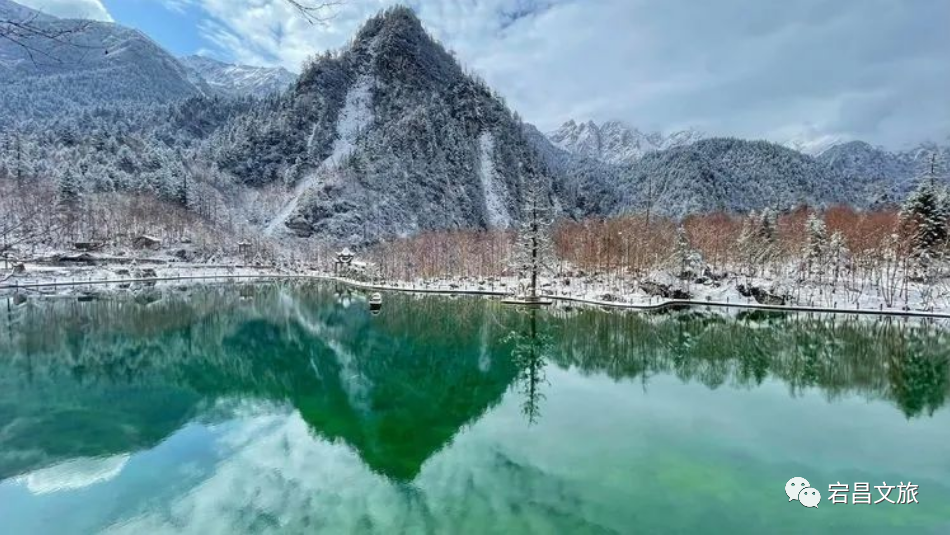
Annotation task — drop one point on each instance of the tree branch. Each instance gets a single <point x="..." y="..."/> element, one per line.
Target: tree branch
<point x="315" y="12"/>
<point x="28" y="32"/>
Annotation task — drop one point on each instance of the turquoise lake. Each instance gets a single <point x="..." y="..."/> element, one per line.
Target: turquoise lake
<point x="291" y="408"/>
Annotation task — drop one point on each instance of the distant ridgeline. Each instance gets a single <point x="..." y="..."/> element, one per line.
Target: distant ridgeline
<point x="388" y="137"/>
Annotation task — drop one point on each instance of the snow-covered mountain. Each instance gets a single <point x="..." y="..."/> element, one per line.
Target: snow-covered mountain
<point x="860" y="159"/>
<point x="91" y="64"/>
<point x="813" y="145"/>
<point x="893" y="173"/>
<point x="734" y="175"/>
<point x="388" y="137"/>
<point x="239" y="80"/>
<point x="615" y="143"/>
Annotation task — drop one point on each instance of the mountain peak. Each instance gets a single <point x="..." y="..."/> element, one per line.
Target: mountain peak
<point x="813" y="144"/>
<point x="239" y="80"/>
<point x="616" y="143"/>
<point x="395" y="23"/>
<point x="391" y="47"/>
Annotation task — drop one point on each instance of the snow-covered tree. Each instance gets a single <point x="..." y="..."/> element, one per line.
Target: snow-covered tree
<point x="758" y="241"/>
<point x="816" y="244"/>
<point x="533" y="252"/>
<point x="837" y="254"/>
<point x="925" y="213"/>
<point x="70" y="189"/>
<point x="686" y="259"/>
<point x="924" y="217"/>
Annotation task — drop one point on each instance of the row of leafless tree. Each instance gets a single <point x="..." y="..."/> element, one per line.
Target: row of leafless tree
<point x="35" y="221"/>
<point x="846" y="253"/>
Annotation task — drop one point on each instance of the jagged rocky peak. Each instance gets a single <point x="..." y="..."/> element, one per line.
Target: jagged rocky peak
<point x="616" y="143"/>
<point x="239" y="80"/>
<point x="583" y="139"/>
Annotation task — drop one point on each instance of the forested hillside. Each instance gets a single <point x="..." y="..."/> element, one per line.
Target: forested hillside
<point x="388" y="137"/>
<point x="88" y="64"/>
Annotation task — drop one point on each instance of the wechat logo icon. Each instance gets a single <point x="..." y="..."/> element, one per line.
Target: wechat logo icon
<point x="799" y="489"/>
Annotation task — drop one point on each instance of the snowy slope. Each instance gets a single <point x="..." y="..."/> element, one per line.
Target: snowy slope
<point x="892" y="173"/>
<point x="100" y="64"/>
<point x="390" y="137"/>
<point x="734" y="175"/>
<point x="815" y="145"/>
<point x="239" y="80"/>
<point x="355" y="117"/>
<point x="498" y="216"/>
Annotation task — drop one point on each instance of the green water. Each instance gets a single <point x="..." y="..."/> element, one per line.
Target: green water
<point x="292" y="409"/>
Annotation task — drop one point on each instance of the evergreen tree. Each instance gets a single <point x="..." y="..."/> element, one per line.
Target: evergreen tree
<point x="758" y="241"/>
<point x="533" y="249"/>
<point x="687" y="260"/>
<point x="70" y="190"/>
<point x="20" y="167"/>
<point x="181" y="189"/>
<point x="924" y="214"/>
<point x="816" y="243"/>
<point x="837" y="253"/>
<point x="766" y="228"/>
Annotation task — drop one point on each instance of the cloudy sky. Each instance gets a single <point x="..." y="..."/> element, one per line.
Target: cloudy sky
<point x="877" y="70"/>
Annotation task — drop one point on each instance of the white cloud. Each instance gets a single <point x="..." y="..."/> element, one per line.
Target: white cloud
<point x="869" y="69"/>
<point x="73" y="9"/>
<point x="178" y="6"/>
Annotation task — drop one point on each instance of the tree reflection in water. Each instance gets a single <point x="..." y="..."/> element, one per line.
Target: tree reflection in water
<point x="121" y="374"/>
<point x="530" y="347"/>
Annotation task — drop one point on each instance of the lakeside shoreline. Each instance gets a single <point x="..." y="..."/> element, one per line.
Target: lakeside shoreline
<point x="270" y="274"/>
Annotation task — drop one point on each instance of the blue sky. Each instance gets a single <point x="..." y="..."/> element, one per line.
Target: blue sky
<point x="176" y="30"/>
<point x="877" y="70"/>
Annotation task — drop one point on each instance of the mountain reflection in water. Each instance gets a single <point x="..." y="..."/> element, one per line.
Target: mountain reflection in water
<point x="119" y="375"/>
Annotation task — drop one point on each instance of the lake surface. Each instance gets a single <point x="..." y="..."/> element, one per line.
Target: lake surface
<point x="290" y="408"/>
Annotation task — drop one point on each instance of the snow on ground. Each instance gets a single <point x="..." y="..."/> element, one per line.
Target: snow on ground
<point x="498" y="216"/>
<point x="72" y="280"/>
<point x="592" y="289"/>
<point x="611" y="291"/>
<point x="355" y="117"/>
